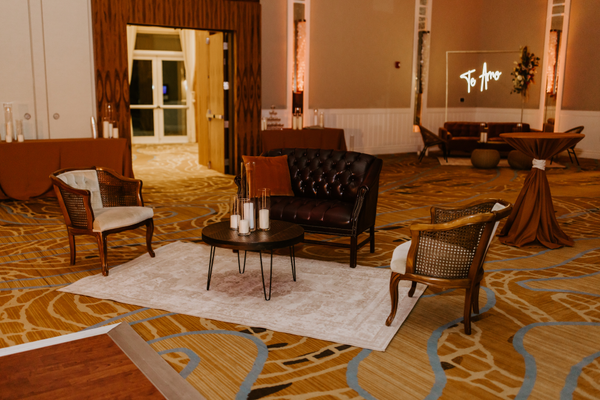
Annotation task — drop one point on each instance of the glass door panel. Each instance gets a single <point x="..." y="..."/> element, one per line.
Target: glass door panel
<point x="175" y="122"/>
<point x="142" y="122"/>
<point x="141" y="87"/>
<point x="174" y="83"/>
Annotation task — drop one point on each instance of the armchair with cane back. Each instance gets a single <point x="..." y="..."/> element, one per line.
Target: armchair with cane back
<point x="571" y="150"/>
<point x="98" y="201"/>
<point x="449" y="252"/>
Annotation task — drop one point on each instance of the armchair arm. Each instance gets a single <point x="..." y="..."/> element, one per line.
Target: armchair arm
<point x="119" y="191"/>
<point x="366" y="198"/>
<point x="445" y="134"/>
<point x="75" y="204"/>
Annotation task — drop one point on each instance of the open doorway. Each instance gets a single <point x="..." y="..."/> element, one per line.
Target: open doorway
<point x="180" y="91"/>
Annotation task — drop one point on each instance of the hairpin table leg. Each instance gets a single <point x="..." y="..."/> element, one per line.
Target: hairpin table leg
<point x="293" y="260"/>
<point x="263" y="275"/>
<point x="211" y="261"/>
<point x="240" y="268"/>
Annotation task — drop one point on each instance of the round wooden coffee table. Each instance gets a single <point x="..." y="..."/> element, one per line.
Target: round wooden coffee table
<point x="282" y="234"/>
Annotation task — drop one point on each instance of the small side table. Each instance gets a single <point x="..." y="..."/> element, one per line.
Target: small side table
<point x="282" y="234"/>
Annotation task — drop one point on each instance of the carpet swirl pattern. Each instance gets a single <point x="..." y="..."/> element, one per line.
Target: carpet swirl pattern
<point x="537" y="335"/>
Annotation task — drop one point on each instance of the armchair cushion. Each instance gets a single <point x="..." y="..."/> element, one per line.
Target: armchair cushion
<point x="118" y="217"/>
<point x="399" y="256"/>
<point x="84" y="179"/>
<point x="272" y="173"/>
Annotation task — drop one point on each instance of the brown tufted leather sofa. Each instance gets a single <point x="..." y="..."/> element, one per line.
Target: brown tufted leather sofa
<point x="463" y="136"/>
<point x="335" y="193"/>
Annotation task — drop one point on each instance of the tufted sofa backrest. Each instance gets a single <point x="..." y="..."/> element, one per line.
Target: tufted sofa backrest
<point x="329" y="174"/>
<point x="462" y="129"/>
<point x="496" y="128"/>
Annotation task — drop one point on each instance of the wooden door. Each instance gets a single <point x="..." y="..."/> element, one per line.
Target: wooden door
<point x="210" y="110"/>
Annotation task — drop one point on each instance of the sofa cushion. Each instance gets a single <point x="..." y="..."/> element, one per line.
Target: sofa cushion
<point x="317" y="212"/>
<point x="272" y="173"/>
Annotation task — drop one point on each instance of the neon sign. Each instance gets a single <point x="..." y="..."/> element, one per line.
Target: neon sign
<point x="485" y="77"/>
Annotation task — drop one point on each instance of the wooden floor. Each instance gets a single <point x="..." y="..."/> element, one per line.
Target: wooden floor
<point x="536" y="336"/>
<point x="92" y="368"/>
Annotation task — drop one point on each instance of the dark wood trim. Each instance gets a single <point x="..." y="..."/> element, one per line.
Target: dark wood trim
<point x="242" y="18"/>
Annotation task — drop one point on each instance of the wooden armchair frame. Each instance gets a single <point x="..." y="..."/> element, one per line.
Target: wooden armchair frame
<point x="76" y="206"/>
<point x="475" y="222"/>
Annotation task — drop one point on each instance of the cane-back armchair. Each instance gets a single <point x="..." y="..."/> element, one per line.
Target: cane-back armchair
<point x="431" y="139"/>
<point x="449" y="252"/>
<point x="98" y="201"/>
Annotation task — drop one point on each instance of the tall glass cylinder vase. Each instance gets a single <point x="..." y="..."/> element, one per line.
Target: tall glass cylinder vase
<point x="247" y="216"/>
<point x="234" y="212"/>
<point x="264" y="205"/>
<point x="8" y="121"/>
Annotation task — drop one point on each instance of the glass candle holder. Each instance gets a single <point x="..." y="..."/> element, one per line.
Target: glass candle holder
<point x="247" y="216"/>
<point x="264" y="205"/>
<point x="8" y="121"/>
<point x="234" y="212"/>
<point x="107" y="119"/>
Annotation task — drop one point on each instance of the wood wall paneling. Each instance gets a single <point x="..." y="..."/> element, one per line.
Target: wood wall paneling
<point x="242" y="18"/>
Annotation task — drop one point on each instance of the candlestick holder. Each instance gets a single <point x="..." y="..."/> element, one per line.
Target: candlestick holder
<point x="8" y="121"/>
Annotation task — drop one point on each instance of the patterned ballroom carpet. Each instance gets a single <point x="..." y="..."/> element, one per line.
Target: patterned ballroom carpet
<point x="537" y="336"/>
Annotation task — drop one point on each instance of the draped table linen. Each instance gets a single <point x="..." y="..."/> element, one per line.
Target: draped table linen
<point x="25" y="167"/>
<point x="532" y="219"/>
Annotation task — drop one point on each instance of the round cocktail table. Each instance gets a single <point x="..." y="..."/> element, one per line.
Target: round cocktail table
<point x="282" y="234"/>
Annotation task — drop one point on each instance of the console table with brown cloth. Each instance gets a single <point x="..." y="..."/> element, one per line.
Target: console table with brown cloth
<point x="532" y="218"/>
<point x="326" y="138"/>
<point x="465" y="135"/>
<point x="335" y="193"/>
<point x="25" y="166"/>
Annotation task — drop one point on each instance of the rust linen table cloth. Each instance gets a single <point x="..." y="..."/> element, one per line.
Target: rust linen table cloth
<point x="326" y="138"/>
<point x="25" y="167"/>
<point x="532" y="219"/>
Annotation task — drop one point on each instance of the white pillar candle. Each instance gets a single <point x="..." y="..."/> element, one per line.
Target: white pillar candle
<point x="110" y="130"/>
<point x="322" y="120"/>
<point x="115" y="133"/>
<point x="234" y="221"/>
<point x="294" y="122"/>
<point x="249" y="214"/>
<point x="300" y="121"/>
<point x="9" y="132"/>
<point x="244" y="226"/>
<point x="263" y="219"/>
<point x="316" y="117"/>
<point x="105" y="133"/>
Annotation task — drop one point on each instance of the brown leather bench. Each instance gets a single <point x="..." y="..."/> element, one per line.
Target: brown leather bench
<point x="335" y="193"/>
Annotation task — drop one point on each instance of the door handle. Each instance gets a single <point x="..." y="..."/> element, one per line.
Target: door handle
<point x="210" y="115"/>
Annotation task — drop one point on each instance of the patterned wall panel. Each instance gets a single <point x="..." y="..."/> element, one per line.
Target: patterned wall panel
<point x="110" y="18"/>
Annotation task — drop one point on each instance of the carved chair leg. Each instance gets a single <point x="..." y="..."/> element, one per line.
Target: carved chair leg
<point x="72" y="247"/>
<point x="476" y="299"/>
<point x="353" y="251"/>
<point x="413" y="286"/>
<point x="422" y="154"/>
<point x="102" y="248"/>
<point x="372" y="233"/>
<point x="468" y="306"/>
<point x="394" y="281"/>
<point x="149" y="233"/>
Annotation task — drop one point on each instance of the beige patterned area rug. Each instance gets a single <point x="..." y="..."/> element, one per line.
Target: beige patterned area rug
<point x="329" y="301"/>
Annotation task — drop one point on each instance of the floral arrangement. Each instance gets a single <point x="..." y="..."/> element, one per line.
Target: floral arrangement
<point x="524" y="71"/>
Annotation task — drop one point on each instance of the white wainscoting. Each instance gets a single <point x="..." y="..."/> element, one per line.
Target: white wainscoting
<point x="373" y="130"/>
<point x="589" y="147"/>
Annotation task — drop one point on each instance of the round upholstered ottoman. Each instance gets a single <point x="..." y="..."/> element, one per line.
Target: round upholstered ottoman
<point x="485" y="158"/>
<point x="519" y="160"/>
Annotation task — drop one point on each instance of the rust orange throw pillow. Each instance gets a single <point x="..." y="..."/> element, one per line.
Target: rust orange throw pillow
<point x="272" y="173"/>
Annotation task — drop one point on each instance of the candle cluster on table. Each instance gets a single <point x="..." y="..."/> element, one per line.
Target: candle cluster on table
<point x="249" y="210"/>
<point x="297" y="119"/>
<point x="109" y="124"/>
